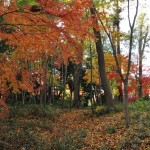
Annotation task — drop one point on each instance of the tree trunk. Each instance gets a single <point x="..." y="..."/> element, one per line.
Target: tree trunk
<point x="125" y="101"/>
<point x="4" y="113"/>
<point x="23" y="98"/>
<point x="45" y="89"/>
<point x="91" y="92"/>
<point x="77" y="85"/>
<point x="118" y="46"/>
<point x="64" y="84"/>
<point x="140" y="76"/>
<point x="101" y="63"/>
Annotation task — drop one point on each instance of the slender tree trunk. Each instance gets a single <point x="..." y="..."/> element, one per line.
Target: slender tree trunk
<point x="143" y="39"/>
<point x="49" y="86"/>
<point x="64" y="84"/>
<point x="52" y="91"/>
<point x="45" y="89"/>
<point x="101" y="63"/>
<point x="91" y="92"/>
<point x="78" y="68"/>
<point x="41" y="98"/>
<point x="125" y="101"/>
<point x="4" y="113"/>
<point x="23" y="98"/>
<point x="118" y="28"/>
<point x="140" y="77"/>
<point x="118" y="47"/>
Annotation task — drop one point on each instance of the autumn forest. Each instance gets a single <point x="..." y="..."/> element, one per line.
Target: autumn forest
<point x="74" y="74"/>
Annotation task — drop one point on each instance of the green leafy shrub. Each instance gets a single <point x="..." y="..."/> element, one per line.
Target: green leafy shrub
<point x="142" y="132"/>
<point x="111" y="129"/>
<point x="34" y="110"/>
<point x="135" y="136"/>
<point x="101" y="110"/>
<point x="70" y="141"/>
<point x="145" y="119"/>
<point x="119" y="107"/>
<point x="140" y="105"/>
<point x="104" y="147"/>
<point x="20" y="135"/>
<point x="136" y="115"/>
<point x="133" y="143"/>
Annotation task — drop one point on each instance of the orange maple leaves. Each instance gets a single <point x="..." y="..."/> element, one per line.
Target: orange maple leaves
<point x="56" y="29"/>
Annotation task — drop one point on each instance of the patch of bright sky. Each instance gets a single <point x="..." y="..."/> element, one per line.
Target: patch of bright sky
<point x="144" y="7"/>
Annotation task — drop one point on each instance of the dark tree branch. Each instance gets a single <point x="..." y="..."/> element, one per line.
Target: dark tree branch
<point x="112" y="45"/>
<point x="131" y="37"/>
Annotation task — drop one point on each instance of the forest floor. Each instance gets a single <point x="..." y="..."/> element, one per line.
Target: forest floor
<point x="33" y="129"/>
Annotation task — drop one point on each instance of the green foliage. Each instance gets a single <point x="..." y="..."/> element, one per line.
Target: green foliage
<point x="26" y="2"/>
<point x="1" y="19"/>
<point x="22" y="133"/>
<point x="101" y="110"/>
<point x="18" y="135"/>
<point x="104" y="147"/>
<point x="135" y="137"/>
<point x="119" y="107"/>
<point x="21" y="3"/>
<point x="145" y="120"/>
<point x="131" y="143"/>
<point x="96" y="2"/>
<point x="34" y="110"/>
<point x="140" y="105"/>
<point x="147" y="98"/>
<point x="66" y="103"/>
<point x="140" y="125"/>
<point x="70" y="141"/>
<point x="3" y="46"/>
<point x="111" y="129"/>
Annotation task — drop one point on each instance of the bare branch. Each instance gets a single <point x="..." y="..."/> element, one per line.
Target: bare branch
<point x="129" y="13"/>
<point x="131" y="36"/>
<point x="112" y="45"/>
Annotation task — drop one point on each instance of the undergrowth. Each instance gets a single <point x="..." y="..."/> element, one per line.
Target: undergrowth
<point x="20" y="130"/>
<point x="26" y="128"/>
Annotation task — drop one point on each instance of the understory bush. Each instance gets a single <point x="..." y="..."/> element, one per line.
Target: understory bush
<point x="140" y="126"/>
<point x="111" y="129"/>
<point x="16" y="135"/>
<point x="140" y="105"/>
<point x="101" y="110"/>
<point x="21" y="130"/>
<point x="135" y="137"/>
<point x="119" y="107"/>
<point x="70" y="141"/>
<point x="34" y="110"/>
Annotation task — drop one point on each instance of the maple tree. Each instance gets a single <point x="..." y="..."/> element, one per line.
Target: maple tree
<point x="39" y="31"/>
<point x="38" y="38"/>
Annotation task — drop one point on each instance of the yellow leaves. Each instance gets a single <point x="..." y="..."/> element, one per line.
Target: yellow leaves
<point x="115" y="91"/>
<point x="110" y="66"/>
<point x="95" y="76"/>
<point x="116" y="34"/>
<point x="66" y="1"/>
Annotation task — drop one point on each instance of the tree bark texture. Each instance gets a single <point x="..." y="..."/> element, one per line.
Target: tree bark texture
<point x="125" y="101"/>
<point x="78" y="68"/>
<point x="101" y="63"/>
